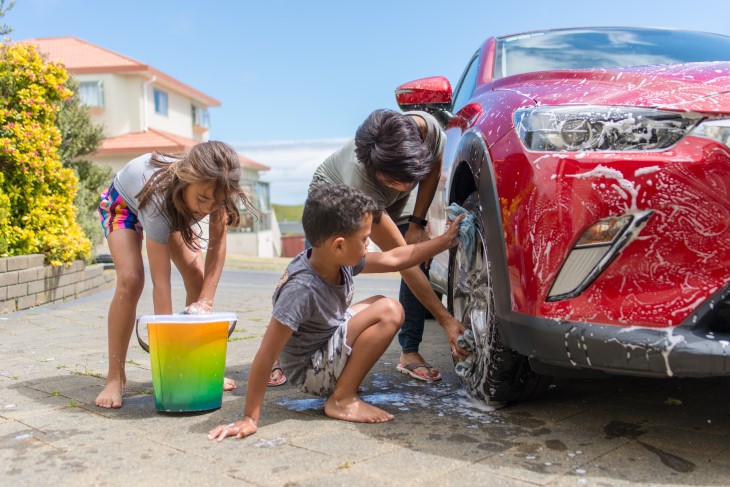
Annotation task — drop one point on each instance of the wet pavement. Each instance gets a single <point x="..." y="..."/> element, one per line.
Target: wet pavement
<point x="615" y="431"/>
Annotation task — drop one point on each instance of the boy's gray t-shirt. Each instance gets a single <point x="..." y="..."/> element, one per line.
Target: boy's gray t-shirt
<point x="312" y="307"/>
<point x="129" y="182"/>
<point x="342" y="167"/>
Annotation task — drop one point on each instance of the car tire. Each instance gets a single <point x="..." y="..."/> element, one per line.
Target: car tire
<point x="497" y="373"/>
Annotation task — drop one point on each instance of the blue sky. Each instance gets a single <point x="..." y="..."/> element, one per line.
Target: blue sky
<point x="311" y="71"/>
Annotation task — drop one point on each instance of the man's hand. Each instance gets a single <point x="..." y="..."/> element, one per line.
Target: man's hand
<point x="240" y="429"/>
<point x="416" y="234"/>
<point x="453" y="329"/>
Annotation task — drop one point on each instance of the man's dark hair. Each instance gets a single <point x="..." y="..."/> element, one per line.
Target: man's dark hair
<point x="335" y="210"/>
<point x="388" y="144"/>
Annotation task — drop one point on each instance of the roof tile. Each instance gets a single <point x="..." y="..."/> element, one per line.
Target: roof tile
<point x="136" y="143"/>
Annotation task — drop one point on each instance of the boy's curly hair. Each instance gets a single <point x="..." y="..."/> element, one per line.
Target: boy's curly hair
<point x="335" y="210"/>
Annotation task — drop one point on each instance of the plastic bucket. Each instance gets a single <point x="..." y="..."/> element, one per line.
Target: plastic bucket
<point x="188" y="358"/>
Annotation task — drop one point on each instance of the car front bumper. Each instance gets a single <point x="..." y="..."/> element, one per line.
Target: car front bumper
<point x="691" y="349"/>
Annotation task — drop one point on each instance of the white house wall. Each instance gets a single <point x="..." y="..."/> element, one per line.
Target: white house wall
<point x="116" y="163"/>
<point x="124" y="103"/>
<point x="179" y="119"/>
<point x="122" y="111"/>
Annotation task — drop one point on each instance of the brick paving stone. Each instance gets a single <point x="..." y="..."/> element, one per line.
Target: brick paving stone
<point x="613" y="431"/>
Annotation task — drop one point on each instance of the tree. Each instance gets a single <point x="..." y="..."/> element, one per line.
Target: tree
<point x="80" y="137"/>
<point x="4" y="28"/>
<point x="37" y="214"/>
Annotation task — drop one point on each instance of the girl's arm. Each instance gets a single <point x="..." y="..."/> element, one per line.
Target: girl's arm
<point x="158" y="256"/>
<point x="276" y="336"/>
<point x="407" y="256"/>
<point x="215" y="258"/>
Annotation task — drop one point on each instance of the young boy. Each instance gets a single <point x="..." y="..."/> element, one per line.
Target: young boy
<point x="326" y="344"/>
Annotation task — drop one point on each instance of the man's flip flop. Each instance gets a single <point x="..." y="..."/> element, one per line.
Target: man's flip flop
<point x="409" y="369"/>
<point x="277" y="382"/>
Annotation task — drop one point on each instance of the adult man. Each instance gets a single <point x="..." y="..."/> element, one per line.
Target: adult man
<point x="391" y="154"/>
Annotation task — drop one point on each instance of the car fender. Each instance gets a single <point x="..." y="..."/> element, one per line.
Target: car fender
<point x="474" y="171"/>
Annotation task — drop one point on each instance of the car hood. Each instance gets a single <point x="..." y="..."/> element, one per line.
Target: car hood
<point x="697" y="87"/>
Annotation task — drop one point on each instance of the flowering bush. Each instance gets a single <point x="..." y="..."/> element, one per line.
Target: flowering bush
<point x="37" y="214"/>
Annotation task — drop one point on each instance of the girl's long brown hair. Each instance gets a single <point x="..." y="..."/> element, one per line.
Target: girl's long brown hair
<point x="207" y="161"/>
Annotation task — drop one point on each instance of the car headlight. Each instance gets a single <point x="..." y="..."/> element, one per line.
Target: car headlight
<point x="601" y="128"/>
<point x="718" y="130"/>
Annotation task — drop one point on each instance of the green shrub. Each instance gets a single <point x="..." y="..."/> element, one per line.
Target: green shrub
<point x="80" y="137"/>
<point x="37" y="214"/>
<point x="93" y="180"/>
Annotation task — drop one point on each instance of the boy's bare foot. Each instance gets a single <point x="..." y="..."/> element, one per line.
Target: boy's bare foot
<point x="356" y="410"/>
<point x="424" y="372"/>
<point x="229" y="384"/>
<point x="111" y="396"/>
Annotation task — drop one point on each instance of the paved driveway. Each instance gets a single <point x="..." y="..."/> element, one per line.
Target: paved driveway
<point x="608" y="432"/>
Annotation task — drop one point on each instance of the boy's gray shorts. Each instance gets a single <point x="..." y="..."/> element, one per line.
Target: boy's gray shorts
<point x="326" y="364"/>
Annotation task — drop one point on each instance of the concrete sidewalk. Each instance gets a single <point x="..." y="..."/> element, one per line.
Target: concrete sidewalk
<point x="609" y="432"/>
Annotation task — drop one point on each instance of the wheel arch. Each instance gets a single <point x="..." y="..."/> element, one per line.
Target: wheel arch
<point x="475" y="172"/>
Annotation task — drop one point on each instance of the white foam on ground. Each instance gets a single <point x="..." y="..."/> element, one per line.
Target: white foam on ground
<point x="264" y="443"/>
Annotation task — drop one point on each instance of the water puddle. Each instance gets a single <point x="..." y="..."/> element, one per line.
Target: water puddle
<point x="300" y="405"/>
<point x="410" y="397"/>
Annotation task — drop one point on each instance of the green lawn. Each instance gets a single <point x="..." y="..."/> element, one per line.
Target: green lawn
<point x="288" y="213"/>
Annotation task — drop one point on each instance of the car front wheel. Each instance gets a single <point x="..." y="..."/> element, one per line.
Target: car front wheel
<point x="496" y="372"/>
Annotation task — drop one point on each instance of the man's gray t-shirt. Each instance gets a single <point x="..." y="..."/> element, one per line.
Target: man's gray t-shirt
<point x="312" y="307"/>
<point x="342" y="167"/>
<point x="129" y="182"/>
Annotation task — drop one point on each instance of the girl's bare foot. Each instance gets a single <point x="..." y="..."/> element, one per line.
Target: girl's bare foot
<point x="356" y="410"/>
<point x="111" y="396"/>
<point x="229" y="384"/>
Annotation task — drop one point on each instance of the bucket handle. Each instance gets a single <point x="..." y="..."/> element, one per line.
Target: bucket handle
<point x="146" y="347"/>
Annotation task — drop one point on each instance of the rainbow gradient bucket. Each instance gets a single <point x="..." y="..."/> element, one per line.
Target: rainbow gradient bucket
<point x="188" y="358"/>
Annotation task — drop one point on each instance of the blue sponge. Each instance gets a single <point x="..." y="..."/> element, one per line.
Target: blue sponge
<point x="467" y="231"/>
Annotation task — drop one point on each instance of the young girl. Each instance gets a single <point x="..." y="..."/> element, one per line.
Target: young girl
<point x="167" y="196"/>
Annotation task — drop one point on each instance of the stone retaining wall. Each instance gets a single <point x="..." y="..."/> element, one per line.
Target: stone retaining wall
<point x="26" y="282"/>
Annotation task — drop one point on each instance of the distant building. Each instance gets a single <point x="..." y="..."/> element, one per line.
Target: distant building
<point x="291" y="227"/>
<point x="143" y="109"/>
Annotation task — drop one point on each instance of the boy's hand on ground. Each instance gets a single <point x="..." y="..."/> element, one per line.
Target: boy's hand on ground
<point x="239" y="429"/>
<point x="452" y="230"/>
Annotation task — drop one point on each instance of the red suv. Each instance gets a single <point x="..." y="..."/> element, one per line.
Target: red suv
<point x="596" y="163"/>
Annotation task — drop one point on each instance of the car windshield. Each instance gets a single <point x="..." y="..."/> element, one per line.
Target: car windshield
<point x="605" y="48"/>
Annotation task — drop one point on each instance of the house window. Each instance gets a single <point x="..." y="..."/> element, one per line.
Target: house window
<point x="260" y="193"/>
<point x="201" y="118"/>
<point x="91" y="93"/>
<point x="263" y="193"/>
<point x="161" y="102"/>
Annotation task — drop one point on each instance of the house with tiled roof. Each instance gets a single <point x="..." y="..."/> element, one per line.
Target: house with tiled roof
<point x="143" y="109"/>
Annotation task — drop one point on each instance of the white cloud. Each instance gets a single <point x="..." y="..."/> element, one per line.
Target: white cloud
<point x="292" y="164"/>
